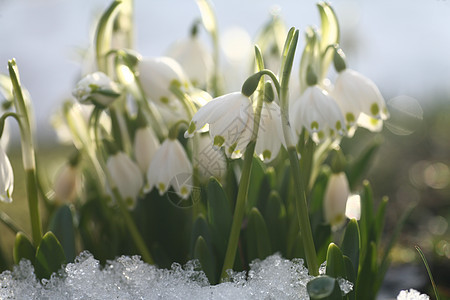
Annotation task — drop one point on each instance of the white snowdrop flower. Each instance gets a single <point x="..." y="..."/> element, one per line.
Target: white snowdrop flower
<point x="335" y="200"/>
<point x="360" y="100"/>
<point x="230" y="118"/>
<point x="67" y="183"/>
<point x="170" y="166"/>
<point x="209" y="160"/>
<point x="96" y="88"/>
<point x="316" y="111"/>
<point x="194" y="58"/>
<point x="353" y="207"/>
<point x="270" y="133"/>
<point x="412" y="294"/>
<point x="157" y="74"/>
<point x="6" y="177"/>
<point x="126" y="176"/>
<point x="145" y="146"/>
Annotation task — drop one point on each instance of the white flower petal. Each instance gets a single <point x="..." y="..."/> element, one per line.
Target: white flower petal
<point x="6" y="178"/>
<point x="335" y="200"/>
<point x="145" y="146"/>
<point x="269" y="139"/>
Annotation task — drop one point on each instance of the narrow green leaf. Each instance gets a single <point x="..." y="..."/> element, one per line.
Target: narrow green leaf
<point x="61" y="224"/>
<point x="367" y="216"/>
<point x="357" y="168"/>
<point x="397" y="230"/>
<point x="204" y="254"/>
<point x="23" y="248"/>
<point x="350" y="276"/>
<point x="275" y="216"/>
<point x="104" y="35"/>
<point x="365" y="282"/>
<point x="49" y="256"/>
<point x="219" y="216"/>
<point x="379" y="219"/>
<point x="335" y="262"/>
<point x="256" y="178"/>
<point x="208" y="16"/>
<point x="200" y="228"/>
<point x="329" y="34"/>
<point x="323" y="288"/>
<point x="258" y="242"/>
<point x="351" y="243"/>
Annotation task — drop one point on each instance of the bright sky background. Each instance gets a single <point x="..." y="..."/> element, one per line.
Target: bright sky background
<point x="403" y="45"/>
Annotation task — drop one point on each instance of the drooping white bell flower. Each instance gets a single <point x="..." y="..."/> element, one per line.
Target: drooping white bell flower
<point x="230" y="118"/>
<point x="194" y="58"/>
<point x="126" y="176"/>
<point x="96" y="88"/>
<point x="156" y="75"/>
<point x="67" y="183"/>
<point x="209" y="160"/>
<point x="360" y="100"/>
<point x="335" y="200"/>
<point x="316" y="111"/>
<point x="270" y="133"/>
<point x="6" y="178"/>
<point x="353" y="207"/>
<point x="145" y="146"/>
<point x="170" y="167"/>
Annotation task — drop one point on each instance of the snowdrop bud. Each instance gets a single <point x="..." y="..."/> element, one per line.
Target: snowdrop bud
<point x="96" y="88"/>
<point x="250" y="85"/>
<point x="157" y="74"/>
<point x="68" y="180"/>
<point x="335" y="200"/>
<point x="6" y="178"/>
<point x="339" y="60"/>
<point x="145" y="144"/>
<point x="125" y="175"/>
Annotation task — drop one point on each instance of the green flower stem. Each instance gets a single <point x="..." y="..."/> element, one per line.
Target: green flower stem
<point x="239" y="210"/>
<point x="135" y="234"/>
<point x="245" y="179"/>
<point x="299" y="184"/>
<point x="32" y="193"/>
<point x="28" y="156"/>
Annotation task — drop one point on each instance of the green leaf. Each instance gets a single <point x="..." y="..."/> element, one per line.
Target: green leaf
<point x="256" y="178"/>
<point x="104" y="35"/>
<point x="204" y="254"/>
<point x="49" y="256"/>
<point x="379" y="219"/>
<point x="219" y="216"/>
<point x="61" y="224"/>
<point x="356" y="168"/>
<point x="335" y="262"/>
<point x="365" y="282"/>
<point x="200" y="228"/>
<point x="275" y="216"/>
<point x="258" y="242"/>
<point x="208" y="16"/>
<point x="350" y="275"/>
<point x="351" y="243"/>
<point x="23" y="248"/>
<point x="367" y="216"/>
<point x="323" y="288"/>
<point x="329" y="34"/>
